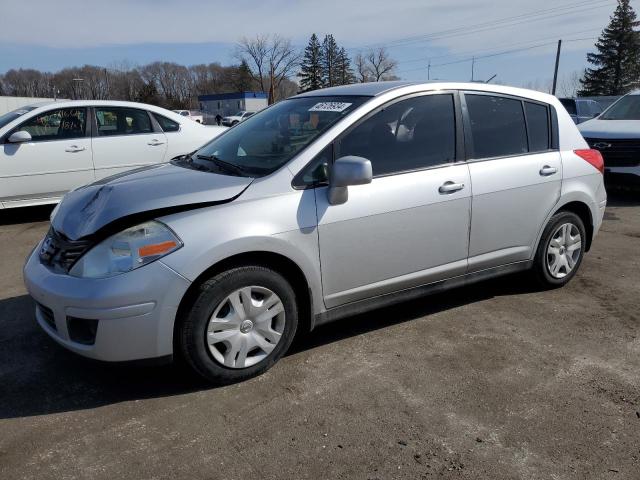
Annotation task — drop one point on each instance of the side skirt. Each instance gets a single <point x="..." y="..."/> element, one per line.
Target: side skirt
<point x="361" y="306"/>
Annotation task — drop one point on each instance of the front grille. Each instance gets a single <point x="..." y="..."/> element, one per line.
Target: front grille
<point x="47" y="315"/>
<point x="617" y="152"/>
<point x="58" y="251"/>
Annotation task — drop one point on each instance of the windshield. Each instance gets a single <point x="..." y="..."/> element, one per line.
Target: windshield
<point x="269" y="139"/>
<point x="11" y="116"/>
<point x="627" y="108"/>
<point x="569" y="104"/>
<point x="239" y="114"/>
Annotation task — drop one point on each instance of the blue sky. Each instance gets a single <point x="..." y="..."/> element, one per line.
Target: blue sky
<point x="52" y="35"/>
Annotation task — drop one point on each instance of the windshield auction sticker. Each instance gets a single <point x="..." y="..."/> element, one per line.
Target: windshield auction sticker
<point x="330" y="107"/>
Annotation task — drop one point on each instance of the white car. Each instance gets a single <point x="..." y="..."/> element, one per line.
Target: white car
<point x="51" y="148"/>
<point x="232" y="120"/>
<point x="192" y="115"/>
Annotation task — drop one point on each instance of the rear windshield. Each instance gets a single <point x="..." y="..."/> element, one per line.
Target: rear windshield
<point x="270" y="138"/>
<point x="11" y="116"/>
<point x="569" y="104"/>
<point x="627" y="108"/>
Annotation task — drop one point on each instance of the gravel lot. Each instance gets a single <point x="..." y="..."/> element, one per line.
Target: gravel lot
<point x="492" y="381"/>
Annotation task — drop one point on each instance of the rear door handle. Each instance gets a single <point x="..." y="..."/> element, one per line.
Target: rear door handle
<point x="74" y="149"/>
<point x="547" y="170"/>
<point x="155" y="143"/>
<point x="450" y="187"/>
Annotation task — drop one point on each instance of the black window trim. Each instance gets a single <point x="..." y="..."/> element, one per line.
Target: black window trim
<point x="155" y="127"/>
<point x="459" y="155"/>
<point x="87" y="126"/>
<point x="552" y="122"/>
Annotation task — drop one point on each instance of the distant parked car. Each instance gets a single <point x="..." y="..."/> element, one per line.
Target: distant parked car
<point x="192" y="115"/>
<point x="50" y="148"/>
<point x="616" y="133"/>
<point x="232" y="120"/>
<point x="581" y="109"/>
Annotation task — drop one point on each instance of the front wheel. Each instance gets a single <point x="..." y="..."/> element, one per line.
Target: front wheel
<point x="561" y="250"/>
<point x="241" y="323"/>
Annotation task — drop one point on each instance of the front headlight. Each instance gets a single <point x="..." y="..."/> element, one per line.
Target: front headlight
<point x="125" y="251"/>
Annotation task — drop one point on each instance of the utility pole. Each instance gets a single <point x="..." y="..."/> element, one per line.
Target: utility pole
<point x="473" y="64"/>
<point x="429" y="70"/>
<point x="555" y="71"/>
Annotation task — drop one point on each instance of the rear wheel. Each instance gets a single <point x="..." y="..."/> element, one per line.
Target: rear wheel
<point x="561" y="250"/>
<point x="241" y="323"/>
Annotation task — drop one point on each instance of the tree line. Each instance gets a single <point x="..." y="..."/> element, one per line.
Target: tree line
<point x="268" y="63"/>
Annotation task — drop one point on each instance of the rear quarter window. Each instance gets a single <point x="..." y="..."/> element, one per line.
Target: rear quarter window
<point x="537" y="126"/>
<point x="166" y="124"/>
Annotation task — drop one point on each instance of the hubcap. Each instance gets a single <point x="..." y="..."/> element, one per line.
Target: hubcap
<point x="564" y="250"/>
<point x="245" y="327"/>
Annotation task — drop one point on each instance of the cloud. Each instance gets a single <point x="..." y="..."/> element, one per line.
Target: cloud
<point x="88" y="23"/>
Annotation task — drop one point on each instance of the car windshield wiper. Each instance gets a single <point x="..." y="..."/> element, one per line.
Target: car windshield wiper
<point x="229" y="167"/>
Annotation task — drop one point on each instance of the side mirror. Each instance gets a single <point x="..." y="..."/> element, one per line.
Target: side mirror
<point x="347" y="171"/>
<point x="19" y="137"/>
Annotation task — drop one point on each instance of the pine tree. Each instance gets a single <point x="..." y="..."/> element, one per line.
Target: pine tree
<point x="311" y="67"/>
<point x="617" y="61"/>
<point x="241" y="78"/>
<point x="330" y="54"/>
<point x="345" y="72"/>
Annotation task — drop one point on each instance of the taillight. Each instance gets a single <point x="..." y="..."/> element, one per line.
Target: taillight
<point x="594" y="157"/>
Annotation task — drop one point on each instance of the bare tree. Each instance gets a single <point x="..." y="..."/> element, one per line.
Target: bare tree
<point x="380" y="64"/>
<point x="570" y="84"/>
<point x="271" y="59"/>
<point x="363" y="73"/>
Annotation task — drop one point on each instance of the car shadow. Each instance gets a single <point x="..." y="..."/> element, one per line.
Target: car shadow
<point x="15" y="216"/>
<point x="618" y="196"/>
<point x="39" y="377"/>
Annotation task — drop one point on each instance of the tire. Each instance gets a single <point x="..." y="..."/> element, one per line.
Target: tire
<point x="555" y="265"/>
<point x="235" y="122"/>
<point x="240" y="344"/>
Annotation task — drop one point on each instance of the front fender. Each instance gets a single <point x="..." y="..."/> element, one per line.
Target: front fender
<point x="283" y="224"/>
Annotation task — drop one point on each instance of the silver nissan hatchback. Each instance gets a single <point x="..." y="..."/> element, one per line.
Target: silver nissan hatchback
<point x="327" y="204"/>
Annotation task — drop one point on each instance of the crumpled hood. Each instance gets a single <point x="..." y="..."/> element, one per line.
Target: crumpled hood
<point x="610" y="128"/>
<point x="162" y="188"/>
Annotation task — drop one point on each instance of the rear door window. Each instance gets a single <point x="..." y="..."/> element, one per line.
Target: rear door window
<point x="122" y="121"/>
<point x="497" y="126"/>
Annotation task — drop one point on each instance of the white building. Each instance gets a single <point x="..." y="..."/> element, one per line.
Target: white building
<point x="225" y="104"/>
<point x="8" y="104"/>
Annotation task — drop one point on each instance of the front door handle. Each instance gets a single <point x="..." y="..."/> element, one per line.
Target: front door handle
<point x="74" y="149"/>
<point x="547" y="170"/>
<point x="155" y="143"/>
<point x="450" y="187"/>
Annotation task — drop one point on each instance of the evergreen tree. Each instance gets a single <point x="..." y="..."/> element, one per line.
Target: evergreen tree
<point x="311" y="67"/>
<point x="241" y="78"/>
<point x="345" y="72"/>
<point x="330" y="55"/>
<point x="617" y="60"/>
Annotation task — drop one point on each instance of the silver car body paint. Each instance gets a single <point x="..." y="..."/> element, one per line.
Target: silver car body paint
<point x="393" y="234"/>
<point x="87" y="209"/>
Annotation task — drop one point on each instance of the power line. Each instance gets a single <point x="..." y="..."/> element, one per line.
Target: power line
<point x="490" y="49"/>
<point x="497" y="54"/>
<point x="544" y="14"/>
